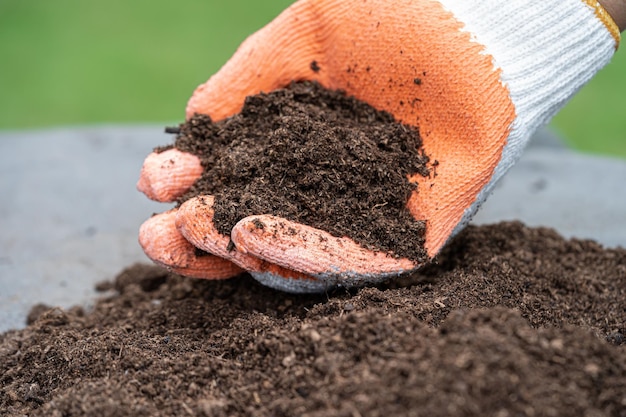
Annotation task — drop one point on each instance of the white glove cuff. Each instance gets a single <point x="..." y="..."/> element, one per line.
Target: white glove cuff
<point x="546" y="49"/>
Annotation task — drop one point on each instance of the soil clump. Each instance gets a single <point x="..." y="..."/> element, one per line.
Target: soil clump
<point x="509" y="321"/>
<point x="313" y="156"/>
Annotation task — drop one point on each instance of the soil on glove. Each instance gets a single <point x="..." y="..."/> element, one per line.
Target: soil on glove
<point x="510" y="321"/>
<point x="313" y="156"/>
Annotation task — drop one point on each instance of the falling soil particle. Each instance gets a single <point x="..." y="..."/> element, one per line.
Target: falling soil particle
<point x="313" y="156"/>
<point x="510" y="321"/>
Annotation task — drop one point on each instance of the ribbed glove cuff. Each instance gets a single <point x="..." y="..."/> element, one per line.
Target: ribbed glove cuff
<point x="546" y="49"/>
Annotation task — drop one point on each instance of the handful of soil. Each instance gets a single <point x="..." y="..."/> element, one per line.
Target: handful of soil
<point x="314" y="156"/>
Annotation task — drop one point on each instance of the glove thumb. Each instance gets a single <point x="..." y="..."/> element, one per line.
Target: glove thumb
<point x="286" y="49"/>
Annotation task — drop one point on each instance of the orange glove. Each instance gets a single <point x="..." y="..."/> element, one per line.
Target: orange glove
<point x="477" y="77"/>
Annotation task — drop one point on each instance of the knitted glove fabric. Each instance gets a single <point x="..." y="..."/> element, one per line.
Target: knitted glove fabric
<point x="477" y="77"/>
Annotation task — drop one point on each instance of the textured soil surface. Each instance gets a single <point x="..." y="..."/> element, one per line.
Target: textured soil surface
<point x="511" y="321"/>
<point x="313" y="156"/>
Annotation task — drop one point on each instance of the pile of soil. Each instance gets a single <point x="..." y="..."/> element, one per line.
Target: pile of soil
<point x="313" y="156"/>
<point x="510" y="321"/>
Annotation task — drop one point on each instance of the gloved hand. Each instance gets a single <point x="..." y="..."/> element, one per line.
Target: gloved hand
<point x="477" y="78"/>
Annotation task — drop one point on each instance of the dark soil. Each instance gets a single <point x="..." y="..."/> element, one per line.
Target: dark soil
<point x="313" y="156"/>
<point x="511" y="321"/>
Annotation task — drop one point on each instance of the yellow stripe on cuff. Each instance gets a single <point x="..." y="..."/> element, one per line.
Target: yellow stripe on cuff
<point x="605" y="18"/>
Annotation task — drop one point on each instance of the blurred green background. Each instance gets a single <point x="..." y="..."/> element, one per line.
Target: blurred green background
<point x="69" y="62"/>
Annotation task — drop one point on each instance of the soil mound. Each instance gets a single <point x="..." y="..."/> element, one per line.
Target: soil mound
<point x="510" y="321"/>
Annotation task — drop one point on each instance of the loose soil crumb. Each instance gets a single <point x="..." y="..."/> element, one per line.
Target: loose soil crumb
<point x="313" y="156"/>
<point x="510" y="321"/>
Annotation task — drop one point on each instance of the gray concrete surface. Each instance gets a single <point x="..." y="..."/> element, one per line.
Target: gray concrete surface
<point x="69" y="211"/>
